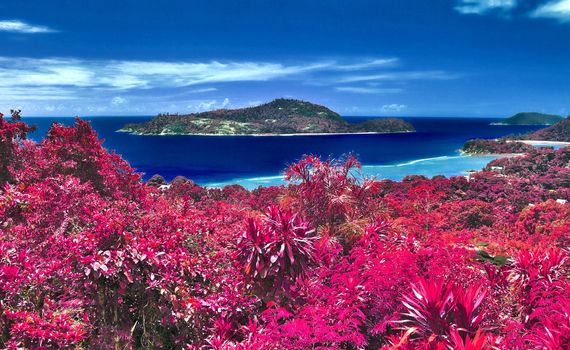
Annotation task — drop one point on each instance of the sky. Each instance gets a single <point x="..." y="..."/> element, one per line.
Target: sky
<point x="463" y="58"/>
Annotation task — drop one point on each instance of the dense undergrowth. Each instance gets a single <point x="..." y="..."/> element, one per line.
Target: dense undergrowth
<point x="90" y="257"/>
<point x="482" y="146"/>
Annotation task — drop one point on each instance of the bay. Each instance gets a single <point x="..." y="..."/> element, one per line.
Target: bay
<point x="253" y="161"/>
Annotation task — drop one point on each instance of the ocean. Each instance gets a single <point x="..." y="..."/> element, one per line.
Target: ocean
<point x="254" y="161"/>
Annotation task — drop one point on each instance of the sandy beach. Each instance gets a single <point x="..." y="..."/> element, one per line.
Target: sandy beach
<point x="546" y="143"/>
<point x="269" y="135"/>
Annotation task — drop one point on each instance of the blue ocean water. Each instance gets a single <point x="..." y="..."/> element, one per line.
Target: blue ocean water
<point x="254" y="161"/>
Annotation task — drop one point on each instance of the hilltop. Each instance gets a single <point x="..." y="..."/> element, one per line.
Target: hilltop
<point x="557" y="132"/>
<point x="530" y="118"/>
<point x="278" y="117"/>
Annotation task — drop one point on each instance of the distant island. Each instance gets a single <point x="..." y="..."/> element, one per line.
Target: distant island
<point x="557" y="134"/>
<point x="278" y="117"/>
<point x="530" y="118"/>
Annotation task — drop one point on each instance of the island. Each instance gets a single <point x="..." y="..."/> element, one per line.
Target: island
<point x="278" y="117"/>
<point x="530" y="118"/>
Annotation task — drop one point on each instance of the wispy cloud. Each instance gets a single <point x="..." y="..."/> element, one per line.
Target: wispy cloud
<point x="479" y="7"/>
<point x="74" y="74"/>
<point x="399" y="76"/>
<point x="367" y="90"/>
<point x="201" y="106"/>
<point x="393" y="107"/>
<point x="151" y="74"/>
<point x="370" y="64"/>
<point x="124" y="75"/>
<point x="202" y="90"/>
<point x="139" y="86"/>
<point x="15" y="93"/>
<point x="118" y="100"/>
<point x="558" y="9"/>
<point x="551" y="9"/>
<point x="15" y="26"/>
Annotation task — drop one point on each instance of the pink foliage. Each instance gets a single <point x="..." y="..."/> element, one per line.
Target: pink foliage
<point x="91" y="257"/>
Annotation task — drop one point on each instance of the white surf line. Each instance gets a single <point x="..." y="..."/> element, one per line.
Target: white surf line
<point x="262" y="179"/>
<point x="271" y="135"/>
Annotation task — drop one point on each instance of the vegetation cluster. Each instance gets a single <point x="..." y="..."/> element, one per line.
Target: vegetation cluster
<point x="484" y="146"/>
<point x="91" y="257"/>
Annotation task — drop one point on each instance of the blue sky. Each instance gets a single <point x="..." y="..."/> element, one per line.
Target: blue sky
<point x="377" y="58"/>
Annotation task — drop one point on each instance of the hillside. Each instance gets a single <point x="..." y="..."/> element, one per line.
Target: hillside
<point x="482" y="147"/>
<point x="280" y="116"/>
<point x="557" y="132"/>
<point x="530" y="118"/>
<point x="93" y="258"/>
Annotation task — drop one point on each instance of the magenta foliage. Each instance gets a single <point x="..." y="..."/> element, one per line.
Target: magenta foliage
<point x="278" y="250"/>
<point x="91" y="257"/>
<point x="437" y="312"/>
<point x="429" y="308"/>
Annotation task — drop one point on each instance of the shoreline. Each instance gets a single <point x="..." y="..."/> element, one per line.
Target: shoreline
<point x="491" y="154"/>
<point x="547" y="143"/>
<point x="374" y="170"/>
<point x="507" y="124"/>
<point x="274" y="135"/>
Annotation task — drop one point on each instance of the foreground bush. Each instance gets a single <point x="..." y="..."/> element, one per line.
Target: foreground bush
<point x="90" y="257"/>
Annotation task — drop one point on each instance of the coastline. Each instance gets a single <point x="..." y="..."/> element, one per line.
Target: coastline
<point x="461" y="164"/>
<point x="545" y="143"/>
<point x="505" y="155"/>
<point x="507" y="124"/>
<point x="270" y="134"/>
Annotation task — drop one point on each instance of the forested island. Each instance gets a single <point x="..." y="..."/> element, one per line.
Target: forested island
<point x="530" y="118"/>
<point x="278" y="117"/>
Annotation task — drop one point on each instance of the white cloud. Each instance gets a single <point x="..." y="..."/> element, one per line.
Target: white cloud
<point x="393" y="108"/>
<point x="558" y="9"/>
<point x="177" y="74"/>
<point x="118" y="100"/>
<point x="370" y="64"/>
<point x="126" y="75"/>
<point x="45" y="72"/>
<point x="399" y="76"/>
<point x="15" y="26"/>
<point x="96" y="109"/>
<point x="481" y="6"/>
<point x="208" y="105"/>
<point x="367" y="90"/>
<point x="54" y="108"/>
<point x="199" y="91"/>
<point x="15" y="93"/>
<point x="144" y="86"/>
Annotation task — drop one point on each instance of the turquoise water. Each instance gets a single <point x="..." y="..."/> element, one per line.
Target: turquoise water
<point x="444" y="165"/>
<point x="254" y="161"/>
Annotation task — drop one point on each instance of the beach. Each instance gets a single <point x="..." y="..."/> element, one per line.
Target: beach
<point x="269" y="134"/>
<point x="545" y="143"/>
